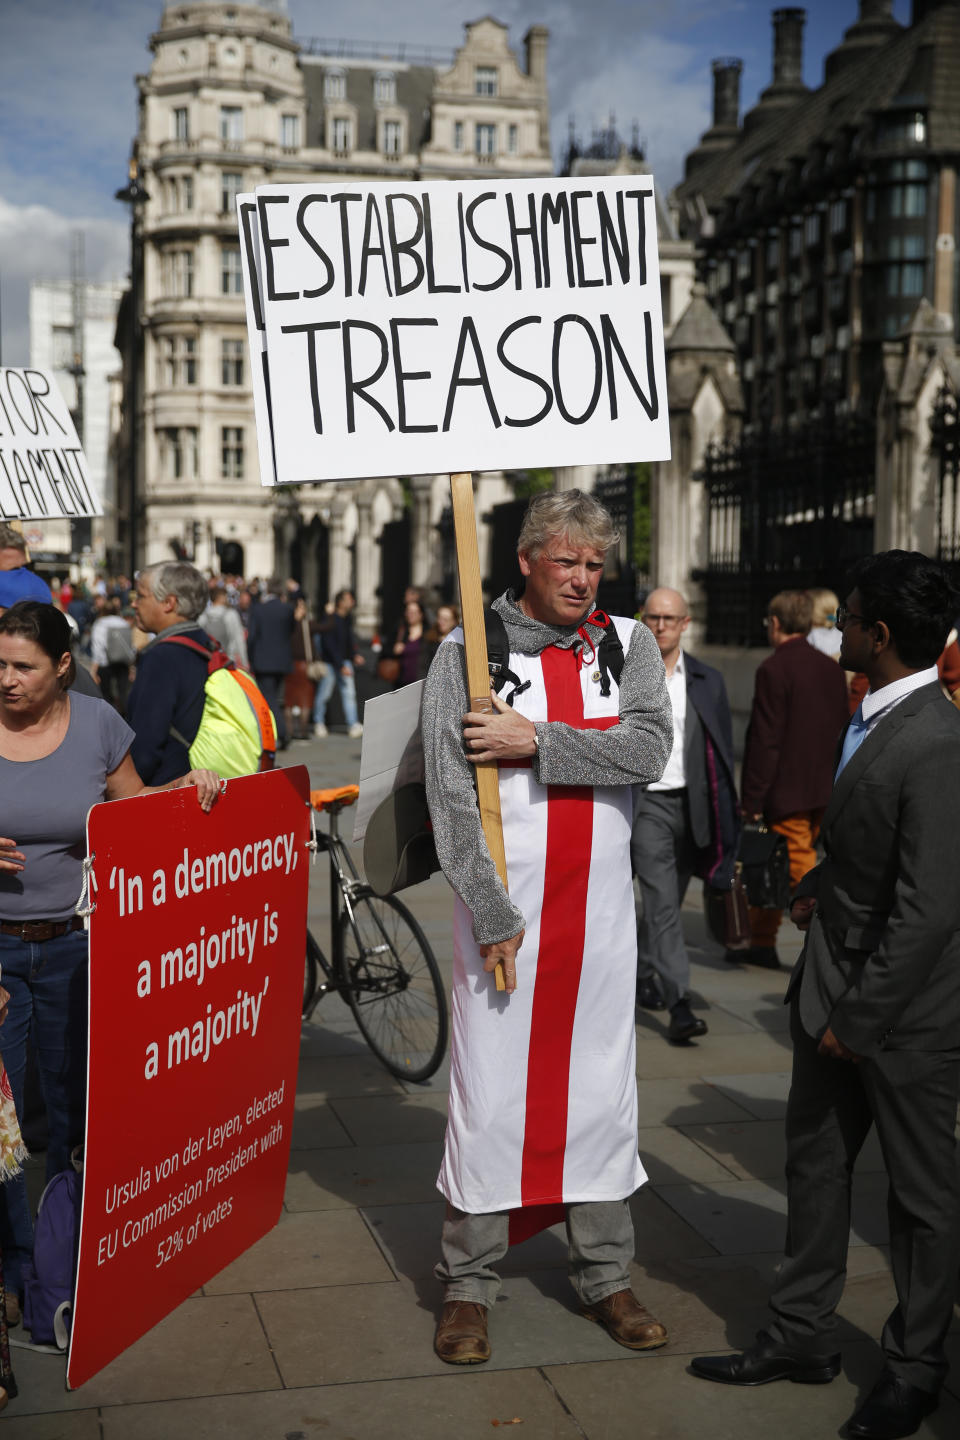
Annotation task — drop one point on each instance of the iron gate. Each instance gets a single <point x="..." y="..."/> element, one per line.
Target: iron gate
<point x="787" y="507"/>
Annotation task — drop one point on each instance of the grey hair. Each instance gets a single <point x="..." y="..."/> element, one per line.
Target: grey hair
<point x="183" y="581"/>
<point x="570" y="512"/>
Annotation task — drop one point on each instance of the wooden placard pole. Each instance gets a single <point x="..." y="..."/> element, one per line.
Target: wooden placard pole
<point x="478" y="673"/>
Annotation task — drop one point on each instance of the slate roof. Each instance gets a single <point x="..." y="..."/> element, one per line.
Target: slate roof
<point x="415" y="85"/>
<point x="920" y="65"/>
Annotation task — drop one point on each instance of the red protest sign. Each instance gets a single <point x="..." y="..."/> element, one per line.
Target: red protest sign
<point x="196" y="983"/>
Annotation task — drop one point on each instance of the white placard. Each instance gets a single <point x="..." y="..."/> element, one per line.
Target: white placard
<point x="43" y="473"/>
<point x="416" y="328"/>
<point x="250" y="264"/>
<point x="392" y="751"/>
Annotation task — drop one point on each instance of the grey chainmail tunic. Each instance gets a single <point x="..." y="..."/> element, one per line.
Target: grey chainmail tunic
<point x="633" y="752"/>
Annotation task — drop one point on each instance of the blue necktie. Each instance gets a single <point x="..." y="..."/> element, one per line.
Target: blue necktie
<point x="854" y="738"/>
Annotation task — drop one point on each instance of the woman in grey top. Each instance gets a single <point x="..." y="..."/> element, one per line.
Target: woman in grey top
<point x="60" y="753"/>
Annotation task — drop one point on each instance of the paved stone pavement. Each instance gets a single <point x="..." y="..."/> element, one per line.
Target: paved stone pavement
<point x="324" y="1328"/>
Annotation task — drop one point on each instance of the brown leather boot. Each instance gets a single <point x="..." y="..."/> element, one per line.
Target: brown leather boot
<point x="629" y="1322"/>
<point x="461" y="1337"/>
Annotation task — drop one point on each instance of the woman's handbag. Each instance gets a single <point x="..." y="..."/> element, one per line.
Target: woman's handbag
<point x="728" y="913"/>
<point x="388" y="669"/>
<point x="765" y="859"/>
<point x="316" y="669"/>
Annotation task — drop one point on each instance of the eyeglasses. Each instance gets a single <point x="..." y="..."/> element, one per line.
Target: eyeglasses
<point x="843" y="615"/>
<point x="665" y="619"/>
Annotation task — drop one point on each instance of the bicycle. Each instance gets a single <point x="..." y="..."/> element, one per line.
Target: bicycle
<point x="381" y="961"/>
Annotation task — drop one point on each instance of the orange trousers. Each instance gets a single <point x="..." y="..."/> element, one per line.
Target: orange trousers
<point x="800" y="831"/>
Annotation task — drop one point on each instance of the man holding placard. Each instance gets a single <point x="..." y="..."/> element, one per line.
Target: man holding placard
<point x="543" y="1109"/>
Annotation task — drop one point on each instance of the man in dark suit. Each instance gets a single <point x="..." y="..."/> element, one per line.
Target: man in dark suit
<point x="799" y="709"/>
<point x="269" y="647"/>
<point x="875" y="1011"/>
<point x="687" y="823"/>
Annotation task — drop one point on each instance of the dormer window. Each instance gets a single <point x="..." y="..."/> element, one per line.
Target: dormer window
<point x="385" y="88"/>
<point x="485" y="80"/>
<point x="335" y="85"/>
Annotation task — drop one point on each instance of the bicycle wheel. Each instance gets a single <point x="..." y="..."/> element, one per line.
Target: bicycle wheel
<point x="311" y="972"/>
<point x="393" y="985"/>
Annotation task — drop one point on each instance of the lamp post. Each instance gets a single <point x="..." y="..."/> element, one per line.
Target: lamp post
<point x="134" y="195"/>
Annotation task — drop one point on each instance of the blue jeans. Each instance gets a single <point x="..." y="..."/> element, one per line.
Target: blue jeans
<point x="348" y="695"/>
<point x="47" y="982"/>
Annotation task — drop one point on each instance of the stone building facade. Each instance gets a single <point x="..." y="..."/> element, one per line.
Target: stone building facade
<point x="824" y="216"/>
<point x="232" y="101"/>
<point x="813" y="382"/>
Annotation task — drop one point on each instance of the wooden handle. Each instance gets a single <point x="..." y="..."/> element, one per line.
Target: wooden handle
<point x="478" y="671"/>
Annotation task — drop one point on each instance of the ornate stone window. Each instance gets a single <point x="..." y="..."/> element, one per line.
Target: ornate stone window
<point x="231" y="452"/>
<point x="231" y="275"/>
<point x="485" y="80"/>
<point x="486" y="141"/>
<point x="231" y="123"/>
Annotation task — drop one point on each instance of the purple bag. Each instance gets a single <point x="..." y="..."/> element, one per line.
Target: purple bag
<point x="50" y="1278"/>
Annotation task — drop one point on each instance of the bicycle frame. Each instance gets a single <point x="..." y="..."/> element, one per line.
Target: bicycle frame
<point x="344" y="883"/>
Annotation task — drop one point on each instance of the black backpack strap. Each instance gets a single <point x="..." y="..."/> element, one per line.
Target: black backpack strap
<point x="609" y="651"/>
<point x="498" y="657"/>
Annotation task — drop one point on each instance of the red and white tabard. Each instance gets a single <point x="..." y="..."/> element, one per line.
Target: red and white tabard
<point x="543" y="1099"/>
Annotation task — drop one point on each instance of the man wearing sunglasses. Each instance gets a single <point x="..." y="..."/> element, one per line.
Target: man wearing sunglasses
<point x="875" y="1012"/>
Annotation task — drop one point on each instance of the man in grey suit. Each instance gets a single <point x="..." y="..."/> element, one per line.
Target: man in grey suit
<point x="687" y="823"/>
<point x="875" y="1011"/>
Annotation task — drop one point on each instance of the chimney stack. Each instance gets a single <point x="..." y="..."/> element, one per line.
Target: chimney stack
<point x="873" y="27"/>
<point x="535" y="41"/>
<point x="726" y="93"/>
<point x="787" y="86"/>
<point x="725" y="130"/>
<point x="788" y="46"/>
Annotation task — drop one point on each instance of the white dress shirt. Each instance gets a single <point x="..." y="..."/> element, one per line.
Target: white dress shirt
<point x="878" y="703"/>
<point x="674" y="776"/>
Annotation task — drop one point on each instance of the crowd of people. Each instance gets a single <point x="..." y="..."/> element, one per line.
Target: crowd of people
<point x="617" y="765"/>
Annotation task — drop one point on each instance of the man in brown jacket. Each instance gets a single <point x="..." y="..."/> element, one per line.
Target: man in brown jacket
<point x="799" y="710"/>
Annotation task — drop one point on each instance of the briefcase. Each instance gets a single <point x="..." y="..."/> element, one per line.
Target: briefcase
<point x="766" y="867"/>
<point x="727" y="913"/>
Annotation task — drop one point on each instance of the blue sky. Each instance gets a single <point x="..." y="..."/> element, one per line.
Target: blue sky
<point x="67" y="96"/>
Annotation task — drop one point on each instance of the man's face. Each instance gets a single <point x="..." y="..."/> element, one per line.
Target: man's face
<point x="666" y="615"/>
<point x="151" y="616"/>
<point x="11" y="558"/>
<point x="562" y="581"/>
<point x="857" y="645"/>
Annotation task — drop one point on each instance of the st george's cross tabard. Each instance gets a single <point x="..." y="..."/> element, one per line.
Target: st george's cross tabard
<point x="543" y="1101"/>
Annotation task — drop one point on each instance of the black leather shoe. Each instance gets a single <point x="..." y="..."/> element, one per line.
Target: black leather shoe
<point x="764" y="957"/>
<point x="684" y="1025"/>
<point x="764" y="1362"/>
<point x="648" y="994"/>
<point x="893" y="1408"/>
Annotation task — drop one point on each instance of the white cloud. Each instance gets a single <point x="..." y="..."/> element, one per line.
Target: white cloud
<point x="35" y="244"/>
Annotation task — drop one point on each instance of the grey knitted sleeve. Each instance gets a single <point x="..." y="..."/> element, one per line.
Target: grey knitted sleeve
<point x="631" y="753"/>
<point x="457" y="831"/>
